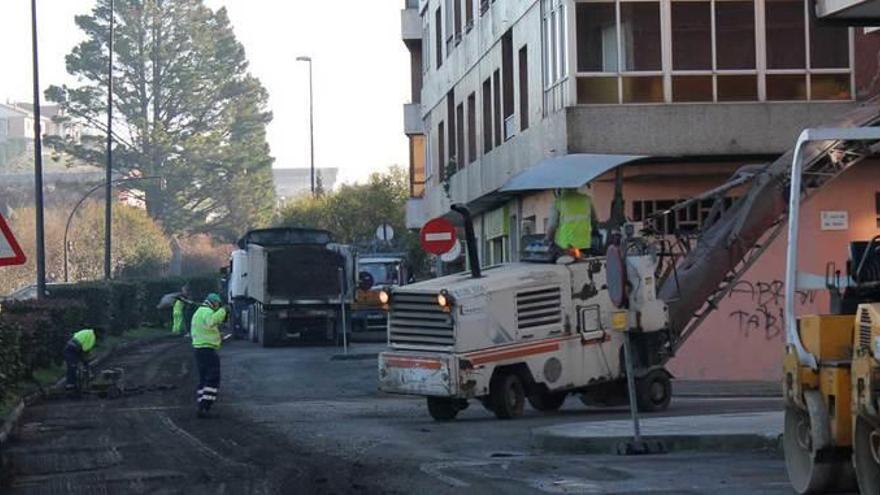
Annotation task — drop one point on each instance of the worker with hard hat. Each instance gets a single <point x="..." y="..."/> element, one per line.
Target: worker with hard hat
<point x="75" y="352"/>
<point x="572" y="219"/>
<point x="177" y="311"/>
<point x="206" y="341"/>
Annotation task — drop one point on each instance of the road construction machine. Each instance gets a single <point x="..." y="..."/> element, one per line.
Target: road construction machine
<point x="542" y="329"/>
<point x="831" y="367"/>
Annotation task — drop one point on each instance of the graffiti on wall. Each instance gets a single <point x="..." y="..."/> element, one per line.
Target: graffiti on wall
<point x="763" y="315"/>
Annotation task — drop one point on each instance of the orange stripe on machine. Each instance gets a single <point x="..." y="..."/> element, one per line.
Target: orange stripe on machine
<point x="515" y="353"/>
<point x="400" y="362"/>
<point x="517" y="346"/>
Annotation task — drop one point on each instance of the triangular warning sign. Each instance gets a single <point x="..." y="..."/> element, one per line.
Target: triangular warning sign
<point x="10" y="252"/>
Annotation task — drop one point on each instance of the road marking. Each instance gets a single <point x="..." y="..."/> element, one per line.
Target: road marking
<point x="434" y="470"/>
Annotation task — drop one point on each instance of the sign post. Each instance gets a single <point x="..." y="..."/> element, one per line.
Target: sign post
<point x="10" y="251"/>
<point x="438" y="236"/>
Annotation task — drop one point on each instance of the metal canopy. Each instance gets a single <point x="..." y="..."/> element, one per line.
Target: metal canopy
<point x="566" y="172"/>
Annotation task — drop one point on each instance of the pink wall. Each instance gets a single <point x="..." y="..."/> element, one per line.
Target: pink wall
<point x="744" y="338"/>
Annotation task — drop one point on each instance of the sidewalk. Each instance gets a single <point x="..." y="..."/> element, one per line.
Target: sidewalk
<point x="720" y="388"/>
<point x="710" y="433"/>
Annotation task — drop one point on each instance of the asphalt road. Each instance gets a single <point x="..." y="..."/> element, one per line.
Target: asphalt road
<point x="292" y="420"/>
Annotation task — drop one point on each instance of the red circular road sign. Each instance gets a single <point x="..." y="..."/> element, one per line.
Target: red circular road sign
<point x="438" y="236"/>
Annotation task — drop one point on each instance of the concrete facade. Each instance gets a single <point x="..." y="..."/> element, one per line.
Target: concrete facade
<point x="697" y="145"/>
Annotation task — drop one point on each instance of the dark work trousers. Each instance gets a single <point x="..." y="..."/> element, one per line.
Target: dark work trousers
<point x="208" y="364"/>
<point x="72" y="357"/>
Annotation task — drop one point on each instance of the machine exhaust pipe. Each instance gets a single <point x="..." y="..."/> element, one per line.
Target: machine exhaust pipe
<point x="470" y="239"/>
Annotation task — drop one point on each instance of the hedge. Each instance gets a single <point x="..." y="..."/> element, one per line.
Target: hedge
<point x="33" y="335"/>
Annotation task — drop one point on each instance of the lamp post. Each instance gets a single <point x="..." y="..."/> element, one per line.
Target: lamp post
<point x="108" y="201"/>
<point x="311" y="119"/>
<point x="82" y="200"/>
<point x="38" y="164"/>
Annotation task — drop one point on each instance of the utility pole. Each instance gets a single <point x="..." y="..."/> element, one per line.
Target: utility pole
<point x="311" y="119"/>
<point x="38" y="163"/>
<point x="108" y="191"/>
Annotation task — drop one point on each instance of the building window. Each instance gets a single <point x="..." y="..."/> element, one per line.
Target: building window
<point x="456" y="7"/>
<point x="468" y="15"/>
<point x="620" y="52"/>
<point x="877" y="207"/>
<point x="426" y="51"/>
<point x="554" y="48"/>
<point x="524" y="88"/>
<point x="484" y="6"/>
<point x="438" y="37"/>
<point x="472" y="127"/>
<point x="417" y="173"/>
<point x="686" y="220"/>
<point x="459" y="136"/>
<point x="441" y="152"/>
<point x="496" y="100"/>
<point x="450" y="26"/>
<point x="507" y="84"/>
<point x="487" y="115"/>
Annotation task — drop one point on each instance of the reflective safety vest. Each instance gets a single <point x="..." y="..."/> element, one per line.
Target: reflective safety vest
<point x="205" y="329"/>
<point x="85" y="339"/>
<point x="575" y="229"/>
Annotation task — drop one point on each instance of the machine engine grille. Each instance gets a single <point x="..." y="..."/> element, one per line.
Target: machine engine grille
<point x="419" y="322"/>
<point x="865" y="325"/>
<point x="539" y="307"/>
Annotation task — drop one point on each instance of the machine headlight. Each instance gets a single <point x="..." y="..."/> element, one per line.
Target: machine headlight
<point x="444" y="299"/>
<point x="384" y="297"/>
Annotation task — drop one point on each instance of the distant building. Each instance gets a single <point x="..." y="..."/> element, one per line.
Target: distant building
<point x="293" y="182"/>
<point x="17" y="122"/>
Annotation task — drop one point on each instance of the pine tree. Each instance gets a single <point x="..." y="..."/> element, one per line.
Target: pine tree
<point x="185" y="109"/>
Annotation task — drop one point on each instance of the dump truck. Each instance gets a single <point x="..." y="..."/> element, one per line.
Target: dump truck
<point x="542" y="329"/>
<point x="294" y="283"/>
<point x="377" y="273"/>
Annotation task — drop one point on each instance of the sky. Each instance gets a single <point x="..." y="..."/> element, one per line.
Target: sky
<point x="361" y="72"/>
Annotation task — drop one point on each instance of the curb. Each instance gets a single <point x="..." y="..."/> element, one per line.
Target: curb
<point x="673" y="443"/>
<point x="11" y="421"/>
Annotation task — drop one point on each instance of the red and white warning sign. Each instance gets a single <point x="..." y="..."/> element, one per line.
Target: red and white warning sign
<point x="10" y="252"/>
<point x="438" y="236"/>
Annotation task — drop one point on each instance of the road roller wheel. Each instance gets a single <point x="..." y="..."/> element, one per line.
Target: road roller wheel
<point x="866" y="456"/>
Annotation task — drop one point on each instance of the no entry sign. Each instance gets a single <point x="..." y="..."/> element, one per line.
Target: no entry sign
<point x="438" y="236"/>
<point x="10" y="252"/>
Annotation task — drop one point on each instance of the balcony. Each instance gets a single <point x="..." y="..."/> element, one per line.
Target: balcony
<point x="410" y="25"/>
<point x="412" y="119"/>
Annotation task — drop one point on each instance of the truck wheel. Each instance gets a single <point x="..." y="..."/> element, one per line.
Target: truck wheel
<point x="654" y="391"/>
<point x="443" y="409"/>
<point x="507" y="394"/>
<point x="866" y="456"/>
<point x="547" y="401"/>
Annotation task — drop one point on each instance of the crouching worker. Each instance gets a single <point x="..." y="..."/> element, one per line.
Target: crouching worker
<point x="206" y="340"/>
<point x="75" y="352"/>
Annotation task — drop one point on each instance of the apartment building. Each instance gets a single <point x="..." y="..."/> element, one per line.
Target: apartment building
<point x="701" y="87"/>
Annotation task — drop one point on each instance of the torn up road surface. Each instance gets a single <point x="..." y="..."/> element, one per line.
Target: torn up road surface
<point x="153" y="442"/>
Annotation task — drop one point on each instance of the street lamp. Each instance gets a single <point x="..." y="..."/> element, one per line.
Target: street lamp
<point x="311" y="119"/>
<point x="38" y="164"/>
<point x="107" y="185"/>
<point x="108" y="201"/>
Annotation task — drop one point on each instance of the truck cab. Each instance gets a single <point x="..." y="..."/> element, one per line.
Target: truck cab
<point x="377" y="273"/>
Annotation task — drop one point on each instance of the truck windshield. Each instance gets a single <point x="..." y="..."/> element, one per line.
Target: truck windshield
<point x="286" y="237"/>
<point x="382" y="273"/>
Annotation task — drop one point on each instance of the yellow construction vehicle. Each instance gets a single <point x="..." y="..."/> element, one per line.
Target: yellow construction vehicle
<point x="831" y="381"/>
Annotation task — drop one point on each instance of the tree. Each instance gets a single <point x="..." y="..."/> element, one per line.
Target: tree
<point x="185" y="108"/>
<point x="140" y="248"/>
<point x="353" y="212"/>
